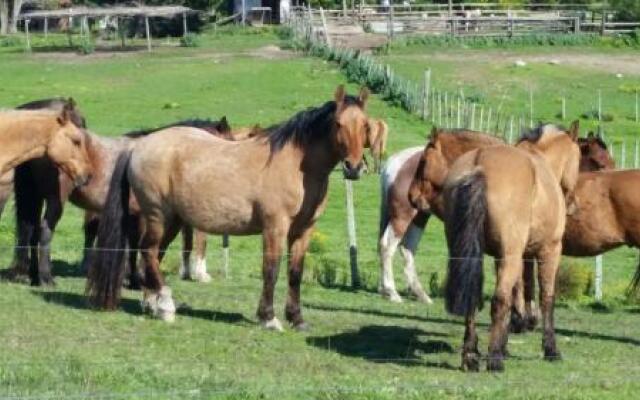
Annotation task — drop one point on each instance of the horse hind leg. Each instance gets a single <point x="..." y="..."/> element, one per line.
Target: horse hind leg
<point x="272" y="239"/>
<point x="90" y="228"/>
<point x="200" y="273"/>
<point x="509" y="272"/>
<point x="549" y="260"/>
<point x="388" y="245"/>
<point x="47" y="229"/>
<point x="187" y="248"/>
<point x="408" y="250"/>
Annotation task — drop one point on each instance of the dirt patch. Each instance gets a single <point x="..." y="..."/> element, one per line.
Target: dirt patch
<point x="626" y="64"/>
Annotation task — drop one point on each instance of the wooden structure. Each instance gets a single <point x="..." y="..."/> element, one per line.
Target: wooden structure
<point x="86" y="13"/>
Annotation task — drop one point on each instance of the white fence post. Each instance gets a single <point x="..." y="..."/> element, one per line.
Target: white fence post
<point x="598" y="278"/>
<point x="351" y="228"/>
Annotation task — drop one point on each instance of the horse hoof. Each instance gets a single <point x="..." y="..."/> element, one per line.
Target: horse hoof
<point x="495" y="364"/>
<point x="552" y="355"/>
<point x="471" y="362"/>
<point x="394" y="297"/>
<point x="424" y="298"/>
<point x="203" y="277"/>
<point x="273" y="325"/>
<point x="301" y="327"/>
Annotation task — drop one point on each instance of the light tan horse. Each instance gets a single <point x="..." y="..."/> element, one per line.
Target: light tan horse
<point x="30" y="134"/>
<point x="274" y="184"/>
<point x="377" y="135"/>
<point x="508" y="202"/>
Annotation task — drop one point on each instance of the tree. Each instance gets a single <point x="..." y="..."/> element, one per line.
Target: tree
<point x="9" y="12"/>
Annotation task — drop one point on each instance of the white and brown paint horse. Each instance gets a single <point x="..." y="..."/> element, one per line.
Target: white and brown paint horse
<point x="275" y="185"/>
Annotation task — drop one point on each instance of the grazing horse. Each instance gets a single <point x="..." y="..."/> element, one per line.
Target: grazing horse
<point x="275" y="184"/>
<point x="377" y="135"/>
<point x="37" y="184"/>
<point x="401" y="224"/>
<point x="508" y="202"/>
<point x="29" y="134"/>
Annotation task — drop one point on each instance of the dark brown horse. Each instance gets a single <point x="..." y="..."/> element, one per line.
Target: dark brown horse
<point x="274" y="184"/>
<point x="39" y="185"/>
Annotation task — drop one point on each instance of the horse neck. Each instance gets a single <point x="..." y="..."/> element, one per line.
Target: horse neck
<point x="319" y="158"/>
<point x="23" y="140"/>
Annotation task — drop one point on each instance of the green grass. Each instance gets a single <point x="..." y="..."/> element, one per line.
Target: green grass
<point x="359" y="347"/>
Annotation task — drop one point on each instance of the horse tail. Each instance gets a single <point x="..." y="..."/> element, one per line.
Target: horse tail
<point x="384" y="197"/>
<point x="632" y="290"/>
<point x="104" y="280"/>
<point x="465" y="223"/>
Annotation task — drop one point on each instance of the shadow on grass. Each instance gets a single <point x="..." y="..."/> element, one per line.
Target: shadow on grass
<point x="78" y="301"/>
<point x="386" y="314"/>
<point x="68" y="270"/>
<point x="387" y="344"/>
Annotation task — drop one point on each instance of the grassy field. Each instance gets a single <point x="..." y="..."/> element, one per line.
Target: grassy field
<point x="359" y="345"/>
<point x="577" y="74"/>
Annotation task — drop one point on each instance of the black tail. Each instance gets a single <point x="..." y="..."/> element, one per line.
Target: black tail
<point x="104" y="280"/>
<point x="632" y="290"/>
<point x="465" y="222"/>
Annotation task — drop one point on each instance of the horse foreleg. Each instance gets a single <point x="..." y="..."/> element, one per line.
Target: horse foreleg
<point x="298" y="245"/>
<point x="272" y="238"/>
<point x="548" y="261"/>
<point x="187" y="247"/>
<point x="509" y="272"/>
<point x="90" y="228"/>
<point x="48" y="225"/>
<point x="27" y="227"/>
<point x="408" y="249"/>
<point x="156" y="296"/>
<point x="388" y="245"/>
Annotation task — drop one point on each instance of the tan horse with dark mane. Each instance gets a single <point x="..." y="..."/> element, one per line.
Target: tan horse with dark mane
<point x="30" y="134"/>
<point x="508" y="202"/>
<point x="274" y="184"/>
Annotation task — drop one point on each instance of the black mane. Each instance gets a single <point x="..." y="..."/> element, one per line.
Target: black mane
<point x="206" y="124"/>
<point x="306" y="126"/>
<point x="56" y="104"/>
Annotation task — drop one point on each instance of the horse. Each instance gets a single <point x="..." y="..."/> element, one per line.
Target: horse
<point x="401" y="224"/>
<point x="509" y="213"/>
<point x="37" y="184"/>
<point x="274" y="184"/>
<point x="594" y="157"/>
<point x="377" y="135"/>
<point x="29" y="134"/>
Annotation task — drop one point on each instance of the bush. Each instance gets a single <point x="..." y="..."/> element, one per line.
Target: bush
<point x="327" y="271"/>
<point x="86" y="46"/>
<point x="318" y="243"/>
<point x="190" y="40"/>
<point x="11" y="41"/>
<point x="573" y="281"/>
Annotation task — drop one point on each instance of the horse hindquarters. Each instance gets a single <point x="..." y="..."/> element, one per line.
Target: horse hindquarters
<point x="466" y="211"/>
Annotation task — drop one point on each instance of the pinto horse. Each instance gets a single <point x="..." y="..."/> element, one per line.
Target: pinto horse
<point x="275" y="184"/>
<point x="509" y="213"/>
<point x="37" y="184"/>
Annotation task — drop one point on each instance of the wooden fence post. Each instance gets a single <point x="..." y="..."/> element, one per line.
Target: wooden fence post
<point x="146" y="28"/>
<point x="599" y="106"/>
<point x="598" y="278"/>
<point x="635" y="155"/>
<point x="473" y="116"/>
<point x="225" y="255"/>
<point x="185" y="30"/>
<point x="351" y="228"/>
<point x="425" y="93"/>
<point x="530" y="107"/>
<point x="623" y="155"/>
<point x="26" y="31"/>
<point x="324" y="27"/>
<point x="564" y="108"/>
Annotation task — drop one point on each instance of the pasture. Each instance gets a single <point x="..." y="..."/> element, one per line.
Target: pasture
<point x="359" y="345"/>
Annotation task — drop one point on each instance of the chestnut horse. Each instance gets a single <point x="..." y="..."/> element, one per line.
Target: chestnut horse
<point x="377" y="136"/>
<point x="275" y="184"/>
<point x="38" y="184"/>
<point x="509" y="213"/>
<point x="401" y="225"/>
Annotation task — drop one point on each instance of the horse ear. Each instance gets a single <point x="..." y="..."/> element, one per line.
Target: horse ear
<point x="339" y="95"/>
<point x="574" y="130"/>
<point x="225" y="124"/>
<point x="434" y="133"/>
<point x="363" y="97"/>
<point x="71" y="102"/>
<point x="65" y="114"/>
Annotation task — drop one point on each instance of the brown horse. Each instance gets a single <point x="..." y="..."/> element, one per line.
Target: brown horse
<point x="30" y="134"/>
<point x="582" y="233"/>
<point x="510" y="213"/>
<point x="377" y="135"/>
<point x="401" y="224"/>
<point x="38" y="185"/>
<point x="275" y="184"/>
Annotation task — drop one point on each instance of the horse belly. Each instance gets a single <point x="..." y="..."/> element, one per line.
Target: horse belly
<point x="230" y="215"/>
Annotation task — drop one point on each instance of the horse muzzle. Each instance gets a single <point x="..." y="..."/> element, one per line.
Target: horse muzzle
<point x="350" y="171"/>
